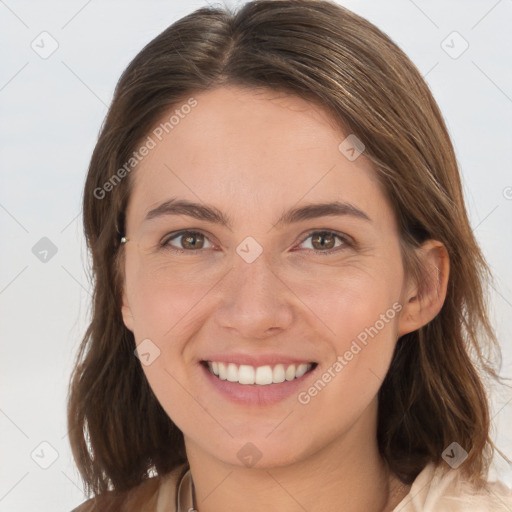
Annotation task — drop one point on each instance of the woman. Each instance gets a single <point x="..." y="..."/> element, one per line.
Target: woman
<point x="287" y="286"/>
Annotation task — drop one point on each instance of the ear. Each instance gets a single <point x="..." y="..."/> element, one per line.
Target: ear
<point x="423" y="301"/>
<point x="126" y="312"/>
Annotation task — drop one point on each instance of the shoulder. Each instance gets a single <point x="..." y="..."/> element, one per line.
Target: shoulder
<point x="145" y="497"/>
<point x="440" y="489"/>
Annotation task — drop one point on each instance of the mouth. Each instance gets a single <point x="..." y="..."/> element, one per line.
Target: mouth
<point x="265" y="375"/>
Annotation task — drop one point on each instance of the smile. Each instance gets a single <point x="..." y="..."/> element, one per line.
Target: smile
<point x="258" y="375"/>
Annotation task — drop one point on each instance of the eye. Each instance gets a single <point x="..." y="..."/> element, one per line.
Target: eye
<point x="326" y="241"/>
<point x="188" y="241"/>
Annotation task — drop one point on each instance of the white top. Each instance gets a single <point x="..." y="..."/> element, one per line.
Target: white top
<point x="435" y="489"/>
<point x="441" y="489"/>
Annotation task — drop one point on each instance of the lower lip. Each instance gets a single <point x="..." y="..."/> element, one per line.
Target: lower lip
<point x="253" y="394"/>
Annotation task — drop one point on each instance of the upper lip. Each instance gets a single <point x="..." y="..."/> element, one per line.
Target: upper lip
<point x="256" y="360"/>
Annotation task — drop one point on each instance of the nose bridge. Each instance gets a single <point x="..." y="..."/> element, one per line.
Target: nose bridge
<point x="254" y="298"/>
<point x="256" y="276"/>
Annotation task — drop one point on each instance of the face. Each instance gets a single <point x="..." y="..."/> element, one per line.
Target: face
<point x="294" y="306"/>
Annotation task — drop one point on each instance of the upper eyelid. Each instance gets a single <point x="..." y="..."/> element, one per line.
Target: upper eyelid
<point x="346" y="239"/>
<point x="167" y="238"/>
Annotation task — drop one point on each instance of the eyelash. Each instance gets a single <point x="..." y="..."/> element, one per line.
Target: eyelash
<point x="347" y="242"/>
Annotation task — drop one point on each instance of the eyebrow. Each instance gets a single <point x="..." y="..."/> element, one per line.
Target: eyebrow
<point x="208" y="213"/>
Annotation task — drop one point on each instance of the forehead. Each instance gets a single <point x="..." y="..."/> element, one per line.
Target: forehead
<point x="251" y="151"/>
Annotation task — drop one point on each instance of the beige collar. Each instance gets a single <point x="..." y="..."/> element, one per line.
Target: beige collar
<point x="185" y="494"/>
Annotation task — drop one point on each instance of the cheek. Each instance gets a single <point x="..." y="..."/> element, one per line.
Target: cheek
<point x="362" y="309"/>
<point x="166" y="311"/>
<point x="168" y="302"/>
<point x="174" y="393"/>
<point x="365" y="317"/>
<point x="164" y="300"/>
<point x="354" y="302"/>
<point x="350" y="301"/>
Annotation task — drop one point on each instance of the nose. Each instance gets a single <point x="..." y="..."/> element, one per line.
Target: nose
<point x="256" y="303"/>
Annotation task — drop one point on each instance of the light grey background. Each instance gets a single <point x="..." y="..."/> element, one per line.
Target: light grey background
<point x="51" y="112"/>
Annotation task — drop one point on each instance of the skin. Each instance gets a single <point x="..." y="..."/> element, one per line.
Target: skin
<point x="254" y="154"/>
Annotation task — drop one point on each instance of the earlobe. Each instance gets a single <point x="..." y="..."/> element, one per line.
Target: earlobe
<point x="424" y="300"/>
<point x="126" y="312"/>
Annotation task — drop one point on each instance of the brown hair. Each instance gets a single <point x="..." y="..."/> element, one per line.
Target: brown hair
<point x="433" y="393"/>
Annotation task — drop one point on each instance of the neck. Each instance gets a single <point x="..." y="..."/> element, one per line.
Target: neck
<point x="347" y="474"/>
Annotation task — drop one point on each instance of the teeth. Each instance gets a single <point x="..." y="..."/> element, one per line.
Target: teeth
<point x="261" y="375"/>
<point x="290" y="372"/>
<point x="301" y="370"/>
<point x="223" y="372"/>
<point x="278" y="374"/>
<point x="232" y="374"/>
<point x="246" y="374"/>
